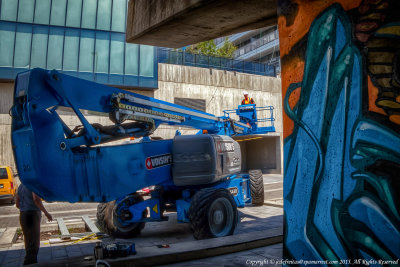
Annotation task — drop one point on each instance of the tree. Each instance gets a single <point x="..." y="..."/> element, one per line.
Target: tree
<point x="209" y="48"/>
<point x="227" y="49"/>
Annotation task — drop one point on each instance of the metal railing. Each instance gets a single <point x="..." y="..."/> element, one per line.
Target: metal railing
<point x="169" y="56"/>
<point x="266" y="113"/>
<point x="268" y="38"/>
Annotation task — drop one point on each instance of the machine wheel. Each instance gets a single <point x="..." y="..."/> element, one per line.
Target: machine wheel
<point x="100" y="214"/>
<point x="256" y="187"/>
<point x="110" y="223"/>
<point x="213" y="213"/>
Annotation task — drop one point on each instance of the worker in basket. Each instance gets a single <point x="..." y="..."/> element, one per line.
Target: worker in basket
<point x="247" y="100"/>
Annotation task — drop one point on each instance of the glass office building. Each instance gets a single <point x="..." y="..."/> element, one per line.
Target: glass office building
<point x="83" y="38"/>
<point x="259" y="46"/>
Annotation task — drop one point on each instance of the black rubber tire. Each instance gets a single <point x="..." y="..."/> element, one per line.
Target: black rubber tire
<point x="100" y="214"/>
<point x="256" y="187"/>
<point x="200" y="217"/>
<point x="108" y="220"/>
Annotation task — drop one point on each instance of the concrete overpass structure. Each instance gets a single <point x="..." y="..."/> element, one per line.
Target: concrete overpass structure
<point x="177" y="23"/>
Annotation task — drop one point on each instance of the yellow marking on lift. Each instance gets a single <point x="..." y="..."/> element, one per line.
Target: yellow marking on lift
<point x="155" y="208"/>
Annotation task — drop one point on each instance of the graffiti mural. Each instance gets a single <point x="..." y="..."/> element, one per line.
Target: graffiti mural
<point x="341" y="90"/>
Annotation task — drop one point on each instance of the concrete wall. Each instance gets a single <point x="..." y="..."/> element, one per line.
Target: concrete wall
<point x="224" y="90"/>
<point x="340" y="82"/>
<point x="221" y="90"/>
<point x="6" y="94"/>
<point x="264" y="154"/>
<point x="6" y="157"/>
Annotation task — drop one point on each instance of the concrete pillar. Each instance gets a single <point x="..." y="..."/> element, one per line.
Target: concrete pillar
<point x="341" y="128"/>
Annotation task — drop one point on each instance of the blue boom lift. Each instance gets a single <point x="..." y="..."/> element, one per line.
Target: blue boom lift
<point x="196" y="175"/>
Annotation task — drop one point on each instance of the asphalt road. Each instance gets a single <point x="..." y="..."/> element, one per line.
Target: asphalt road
<point x="9" y="214"/>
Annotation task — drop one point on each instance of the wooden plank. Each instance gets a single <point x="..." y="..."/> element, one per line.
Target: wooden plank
<point x="89" y="223"/>
<point x="63" y="229"/>
<point x="59" y="240"/>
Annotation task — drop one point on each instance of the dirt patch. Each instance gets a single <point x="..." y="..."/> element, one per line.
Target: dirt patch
<point x="56" y="233"/>
<point x="19" y="236"/>
<point x="43" y="235"/>
<point x="48" y="234"/>
<point x="77" y="230"/>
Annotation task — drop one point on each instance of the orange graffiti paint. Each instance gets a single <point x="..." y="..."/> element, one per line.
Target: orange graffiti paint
<point x="307" y="12"/>
<point x="373" y="96"/>
<point x="293" y="69"/>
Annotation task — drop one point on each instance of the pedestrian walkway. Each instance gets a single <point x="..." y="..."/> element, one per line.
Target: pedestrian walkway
<point x="255" y="222"/>
<point x="273" y="190"/>
<point x="264" y="256"/>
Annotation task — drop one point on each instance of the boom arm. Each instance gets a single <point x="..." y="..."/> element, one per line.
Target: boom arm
<point x="44" y="90"/>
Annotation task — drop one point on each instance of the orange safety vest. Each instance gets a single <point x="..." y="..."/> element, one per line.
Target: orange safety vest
<point x="248" y="101"/>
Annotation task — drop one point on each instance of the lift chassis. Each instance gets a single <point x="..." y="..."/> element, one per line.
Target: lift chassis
<point x="198" y="176"/>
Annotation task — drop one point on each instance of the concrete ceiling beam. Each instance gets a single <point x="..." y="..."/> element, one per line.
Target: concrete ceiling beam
<point x="177" y="23"/>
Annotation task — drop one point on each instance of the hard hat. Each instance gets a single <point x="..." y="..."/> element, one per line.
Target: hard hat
<point x="245" y="93"/>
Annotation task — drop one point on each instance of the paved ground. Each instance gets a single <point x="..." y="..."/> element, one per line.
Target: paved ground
<point x="9" y="214"/>
<point x="272" y="178"/>
<point x="264" y="256"/>
<point x="154" y="234"/>
<point x="273" y="190"/>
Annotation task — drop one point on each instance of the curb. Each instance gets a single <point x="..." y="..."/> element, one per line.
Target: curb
<point x="185" y="251"/>
<point x="8" y="237"/>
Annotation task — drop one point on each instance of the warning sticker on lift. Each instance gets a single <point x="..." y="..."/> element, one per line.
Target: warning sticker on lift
<point x="158" y="161"/>
<point x="233" y="190"/>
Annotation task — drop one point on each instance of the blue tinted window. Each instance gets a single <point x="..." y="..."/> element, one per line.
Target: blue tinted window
<point x="104" y="15"/>
<point x="118" y="15"/>
<point x="89" y="14"/>
<point x="71" y="50"/>
<point x="74" y="13"/>
<point x="146" y="61"/>
<point x="117" y="54"/>
<point x="86" y="53"/>
<point x="22" y="46"/>
<point x="55" y="49"/>
<point x="42" y="11"/>
<point x="9" y="10"/>
<point x="102" y="52"/>
<point x="131" y="59"/>
<point x="39" y="47"/>
<point x="58" y="9"/>
<point x="7" y="35"/>
<point x="25" y="10"/>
